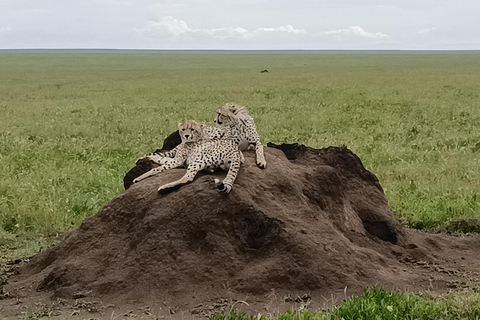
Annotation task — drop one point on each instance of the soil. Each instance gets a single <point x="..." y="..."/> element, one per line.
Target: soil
<point x="311" y="229"/>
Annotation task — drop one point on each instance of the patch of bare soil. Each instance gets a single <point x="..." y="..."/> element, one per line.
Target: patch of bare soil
<point x="312" y="227"/>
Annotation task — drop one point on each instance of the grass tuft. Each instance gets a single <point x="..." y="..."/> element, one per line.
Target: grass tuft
<point x="379" y="304"/>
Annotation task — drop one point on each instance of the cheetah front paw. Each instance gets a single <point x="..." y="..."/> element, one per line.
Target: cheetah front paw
<point x="262" y="163"/>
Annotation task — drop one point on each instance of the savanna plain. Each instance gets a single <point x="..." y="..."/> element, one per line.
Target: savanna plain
<point x="73" y="123"/>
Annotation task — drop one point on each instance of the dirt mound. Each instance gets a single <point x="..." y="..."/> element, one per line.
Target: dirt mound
<point x="313" y="221"/>
<point x="144" y="165"/>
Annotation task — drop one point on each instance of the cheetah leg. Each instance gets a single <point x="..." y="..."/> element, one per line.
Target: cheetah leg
<point x="242" y="157"/>
<point x="192" y="171"/>
<point x="170" y="154"/>
<point x="260" y="157"/>
<point x="261" y="162"/>
<point x="159" y="157"/>
<point x="156" y="158"/>
<point x="227" y="183"/>
<point x="169" y="164"/>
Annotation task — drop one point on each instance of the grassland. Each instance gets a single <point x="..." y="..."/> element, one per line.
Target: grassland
<point x="378" y="304"/>
<point x="71" y="125"/>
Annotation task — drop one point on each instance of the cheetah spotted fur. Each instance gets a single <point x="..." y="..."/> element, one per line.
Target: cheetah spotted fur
<point x="200" y="154"/>
<point x="239" y="125"/>
<point x="208" y="133"/>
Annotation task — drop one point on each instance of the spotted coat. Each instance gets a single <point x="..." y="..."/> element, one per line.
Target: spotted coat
<point x="239" y="125"/>
<point x="208" y="133"/>
<point x="200" y="154"/>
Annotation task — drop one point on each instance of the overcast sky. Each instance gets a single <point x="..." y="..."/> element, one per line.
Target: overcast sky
<point x="240" y="24"/>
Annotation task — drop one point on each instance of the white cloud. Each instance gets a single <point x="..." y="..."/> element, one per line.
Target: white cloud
<point x="5" y="29"/>
<point x="176" y="28"/>
<point x="288" y="29"/>
<point x="172" y="26"/>
<point x="357" y="32"/>
<point x="427" y="30"/>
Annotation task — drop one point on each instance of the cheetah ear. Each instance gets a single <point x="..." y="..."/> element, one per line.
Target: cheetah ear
<point x="180" y="125"/>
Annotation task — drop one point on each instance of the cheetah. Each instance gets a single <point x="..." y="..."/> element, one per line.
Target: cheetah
<point x="208" y="133"/>
<point x="239" y="124"/>
<point x="200" y="154"/>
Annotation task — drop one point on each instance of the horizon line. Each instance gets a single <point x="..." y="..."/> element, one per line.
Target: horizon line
<point x="193" y="49"/>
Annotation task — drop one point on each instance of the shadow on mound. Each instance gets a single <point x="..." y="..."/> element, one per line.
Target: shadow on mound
<point x="377" y="222"/>
<point x="313" y="220"/>
<point x="143" y="165"/>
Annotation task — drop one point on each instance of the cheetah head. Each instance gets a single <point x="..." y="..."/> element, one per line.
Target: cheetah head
<point x="190" y="131"/>
<point x="229" y="112"/>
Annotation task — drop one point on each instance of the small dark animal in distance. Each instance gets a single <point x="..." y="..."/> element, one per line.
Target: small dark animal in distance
<point x="263" y="71"/>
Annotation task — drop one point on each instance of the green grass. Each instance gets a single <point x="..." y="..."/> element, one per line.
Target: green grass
<point x="378" y="304"/>
<point x="72" y="125"/>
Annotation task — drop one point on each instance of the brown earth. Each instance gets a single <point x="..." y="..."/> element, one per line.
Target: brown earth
<point x="313" y="224"/>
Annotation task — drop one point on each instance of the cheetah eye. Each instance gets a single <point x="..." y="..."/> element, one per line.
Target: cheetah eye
<point x="183" y="129"/>
<point x="233" y="111"/>
<point x="192" y="129"/>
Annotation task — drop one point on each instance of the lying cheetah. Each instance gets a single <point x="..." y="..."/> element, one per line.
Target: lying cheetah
<point x="200" y="154"/>
<point x="208" y="133"/>
<point x="239" y="124"/>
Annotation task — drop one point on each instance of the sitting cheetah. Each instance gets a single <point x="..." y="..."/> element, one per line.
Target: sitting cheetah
<point x="239" y="124"/>
<point x="200" y="154"/>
